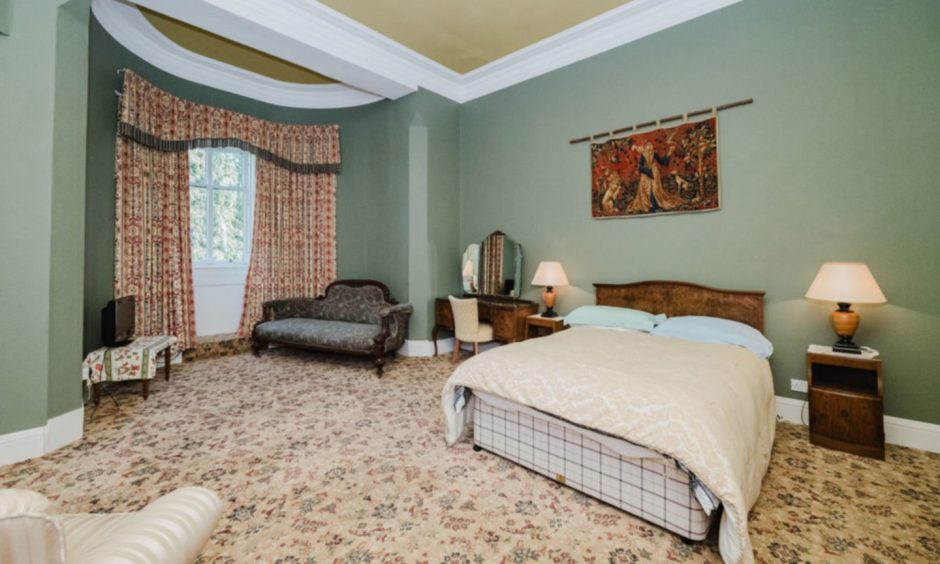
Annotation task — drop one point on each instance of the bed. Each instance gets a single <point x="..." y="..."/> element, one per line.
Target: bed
<point x="665" y="429"/>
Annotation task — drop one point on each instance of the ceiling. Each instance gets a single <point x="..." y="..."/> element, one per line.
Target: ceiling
<point x="213" y="46"/>
<point x="464" y="35"/>
<point x="342" y="53"/>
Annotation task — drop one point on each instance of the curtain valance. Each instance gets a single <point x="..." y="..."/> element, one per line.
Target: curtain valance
<point x="162" y="121"/>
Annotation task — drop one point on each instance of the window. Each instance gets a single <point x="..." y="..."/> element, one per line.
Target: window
<point x="221" y="190"/>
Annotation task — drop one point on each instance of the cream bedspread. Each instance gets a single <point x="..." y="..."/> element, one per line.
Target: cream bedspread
<point x="711" y="407"/>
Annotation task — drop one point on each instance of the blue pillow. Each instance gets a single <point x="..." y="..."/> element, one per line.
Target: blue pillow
<point x="716" y="330"/>
<point x="613" y="317"/>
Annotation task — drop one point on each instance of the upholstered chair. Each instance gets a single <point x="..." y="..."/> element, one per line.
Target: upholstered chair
<point x="467" y="326"/>
<point x="172" y="529"/>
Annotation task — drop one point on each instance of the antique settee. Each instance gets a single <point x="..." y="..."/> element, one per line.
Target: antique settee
<point x="352" y="317"/>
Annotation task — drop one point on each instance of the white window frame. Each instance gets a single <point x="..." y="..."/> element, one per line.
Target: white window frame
<point x="248" y="187"/>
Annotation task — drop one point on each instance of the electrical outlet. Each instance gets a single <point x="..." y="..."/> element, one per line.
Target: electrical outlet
<point x="798" y="385"/>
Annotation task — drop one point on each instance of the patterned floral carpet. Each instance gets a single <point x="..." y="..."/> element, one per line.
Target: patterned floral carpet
<point x="317" y="461"/>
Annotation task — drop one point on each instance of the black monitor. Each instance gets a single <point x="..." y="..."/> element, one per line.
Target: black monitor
<point x="117" y="322"/>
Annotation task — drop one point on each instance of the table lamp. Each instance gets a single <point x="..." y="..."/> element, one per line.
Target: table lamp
<point x="549" y="274"/>
<point x="845" y="283"/>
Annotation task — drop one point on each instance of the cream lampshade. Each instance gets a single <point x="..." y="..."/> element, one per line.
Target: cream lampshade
<point x="845" y="283"/>
<point x="549" y="274"/>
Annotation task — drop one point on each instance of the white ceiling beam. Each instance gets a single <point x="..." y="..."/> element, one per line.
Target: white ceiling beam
<point x="131" y="29"/>
<point x="290" y="32"/>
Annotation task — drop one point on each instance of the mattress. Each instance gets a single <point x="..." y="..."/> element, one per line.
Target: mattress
<point x="632" y="478"/>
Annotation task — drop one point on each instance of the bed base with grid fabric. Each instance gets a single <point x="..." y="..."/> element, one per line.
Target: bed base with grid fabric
<point x="649" y="486"/>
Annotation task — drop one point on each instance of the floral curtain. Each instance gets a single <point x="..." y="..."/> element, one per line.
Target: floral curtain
<point x="293" y="252"/>
<point x="294" y="243"/>
<point x="151" y="240"/>
<point x="158" y="119"/>
<point x="493" y="263"/>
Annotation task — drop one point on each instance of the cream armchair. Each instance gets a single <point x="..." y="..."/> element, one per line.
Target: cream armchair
<point x="171" y="529"/>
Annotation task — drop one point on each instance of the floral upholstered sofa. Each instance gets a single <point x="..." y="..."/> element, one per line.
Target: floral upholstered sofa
<point x="352" y="317"/>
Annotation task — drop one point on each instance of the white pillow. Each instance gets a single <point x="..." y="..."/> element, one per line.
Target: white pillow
<point x="614" y="318"/>
<point x="715" y="330"/>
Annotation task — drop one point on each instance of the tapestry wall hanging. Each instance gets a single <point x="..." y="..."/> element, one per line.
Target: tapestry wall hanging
<point x="665" y="171"/>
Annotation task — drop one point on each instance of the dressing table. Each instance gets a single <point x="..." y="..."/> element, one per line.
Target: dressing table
<point x="492" y="273"/>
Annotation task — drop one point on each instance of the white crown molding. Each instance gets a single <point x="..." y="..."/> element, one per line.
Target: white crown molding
<point x="287" y="30"/>
<point x="30" y="443"/>
<point x="312" y="35"/>
<point x="387" y="56"/>
<point x="132" y="30"/>
<point x="628" y="23"/>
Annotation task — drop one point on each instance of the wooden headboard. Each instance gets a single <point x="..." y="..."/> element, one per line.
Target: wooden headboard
<point x="683" y="298"/>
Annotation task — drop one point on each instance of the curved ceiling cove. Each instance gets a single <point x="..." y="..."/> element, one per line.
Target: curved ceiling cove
<point x="225" y="50"/>
<point x="133" y="30"/>
<point x="377" y="49"/>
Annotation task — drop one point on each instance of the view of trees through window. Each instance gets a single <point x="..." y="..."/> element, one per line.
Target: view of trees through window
<point x="219" y="203"/>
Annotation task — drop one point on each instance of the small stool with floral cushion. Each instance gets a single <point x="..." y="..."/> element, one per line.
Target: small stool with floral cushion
<point x="135" y="361"/>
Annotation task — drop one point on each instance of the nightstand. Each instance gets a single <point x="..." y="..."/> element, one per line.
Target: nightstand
<point x="846" y="404"/>
<point x="542" y="326"/>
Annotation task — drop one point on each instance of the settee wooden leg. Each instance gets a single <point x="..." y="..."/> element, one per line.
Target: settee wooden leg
<point x="380" y="365"/>
<point x="255" y="348"/>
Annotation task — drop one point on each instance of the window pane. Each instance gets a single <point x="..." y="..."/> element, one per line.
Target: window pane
<point x="228" y="226"/>
<point x="227" y="168"/>
<point x="198" y="207"/>
<point x="197" y="166"/>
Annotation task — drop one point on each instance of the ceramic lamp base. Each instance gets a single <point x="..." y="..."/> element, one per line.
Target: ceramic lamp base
<point x="548" y="298"/>
<point x="845" y="322"/>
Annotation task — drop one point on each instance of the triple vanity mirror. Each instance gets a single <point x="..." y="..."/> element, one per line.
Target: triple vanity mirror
<point x="493" y="267"/>
<point x="491" y="270"/>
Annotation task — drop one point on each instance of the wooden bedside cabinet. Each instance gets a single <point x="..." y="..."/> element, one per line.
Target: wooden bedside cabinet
<point x="538" y="326"/>
<point x="846" y="404"/>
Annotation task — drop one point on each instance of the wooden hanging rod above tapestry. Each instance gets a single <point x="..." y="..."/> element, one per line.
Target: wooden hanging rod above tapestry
<point x="638" y="126"/>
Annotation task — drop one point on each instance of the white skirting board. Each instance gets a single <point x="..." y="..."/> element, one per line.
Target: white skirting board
<point x="30" y="443"/>
<point x="898" y="431"/>
<point x="426" y="348"/>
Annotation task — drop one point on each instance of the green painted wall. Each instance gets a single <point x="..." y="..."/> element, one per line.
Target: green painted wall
<point x="6" y="16"/>
<point x="423" y="173"/>
<point x="835" y="160"/>
<point x="68" y="208"/>
<point x="443" y="232"/>
<point x="373" y="190"/>
<point x="40" y="226"/>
